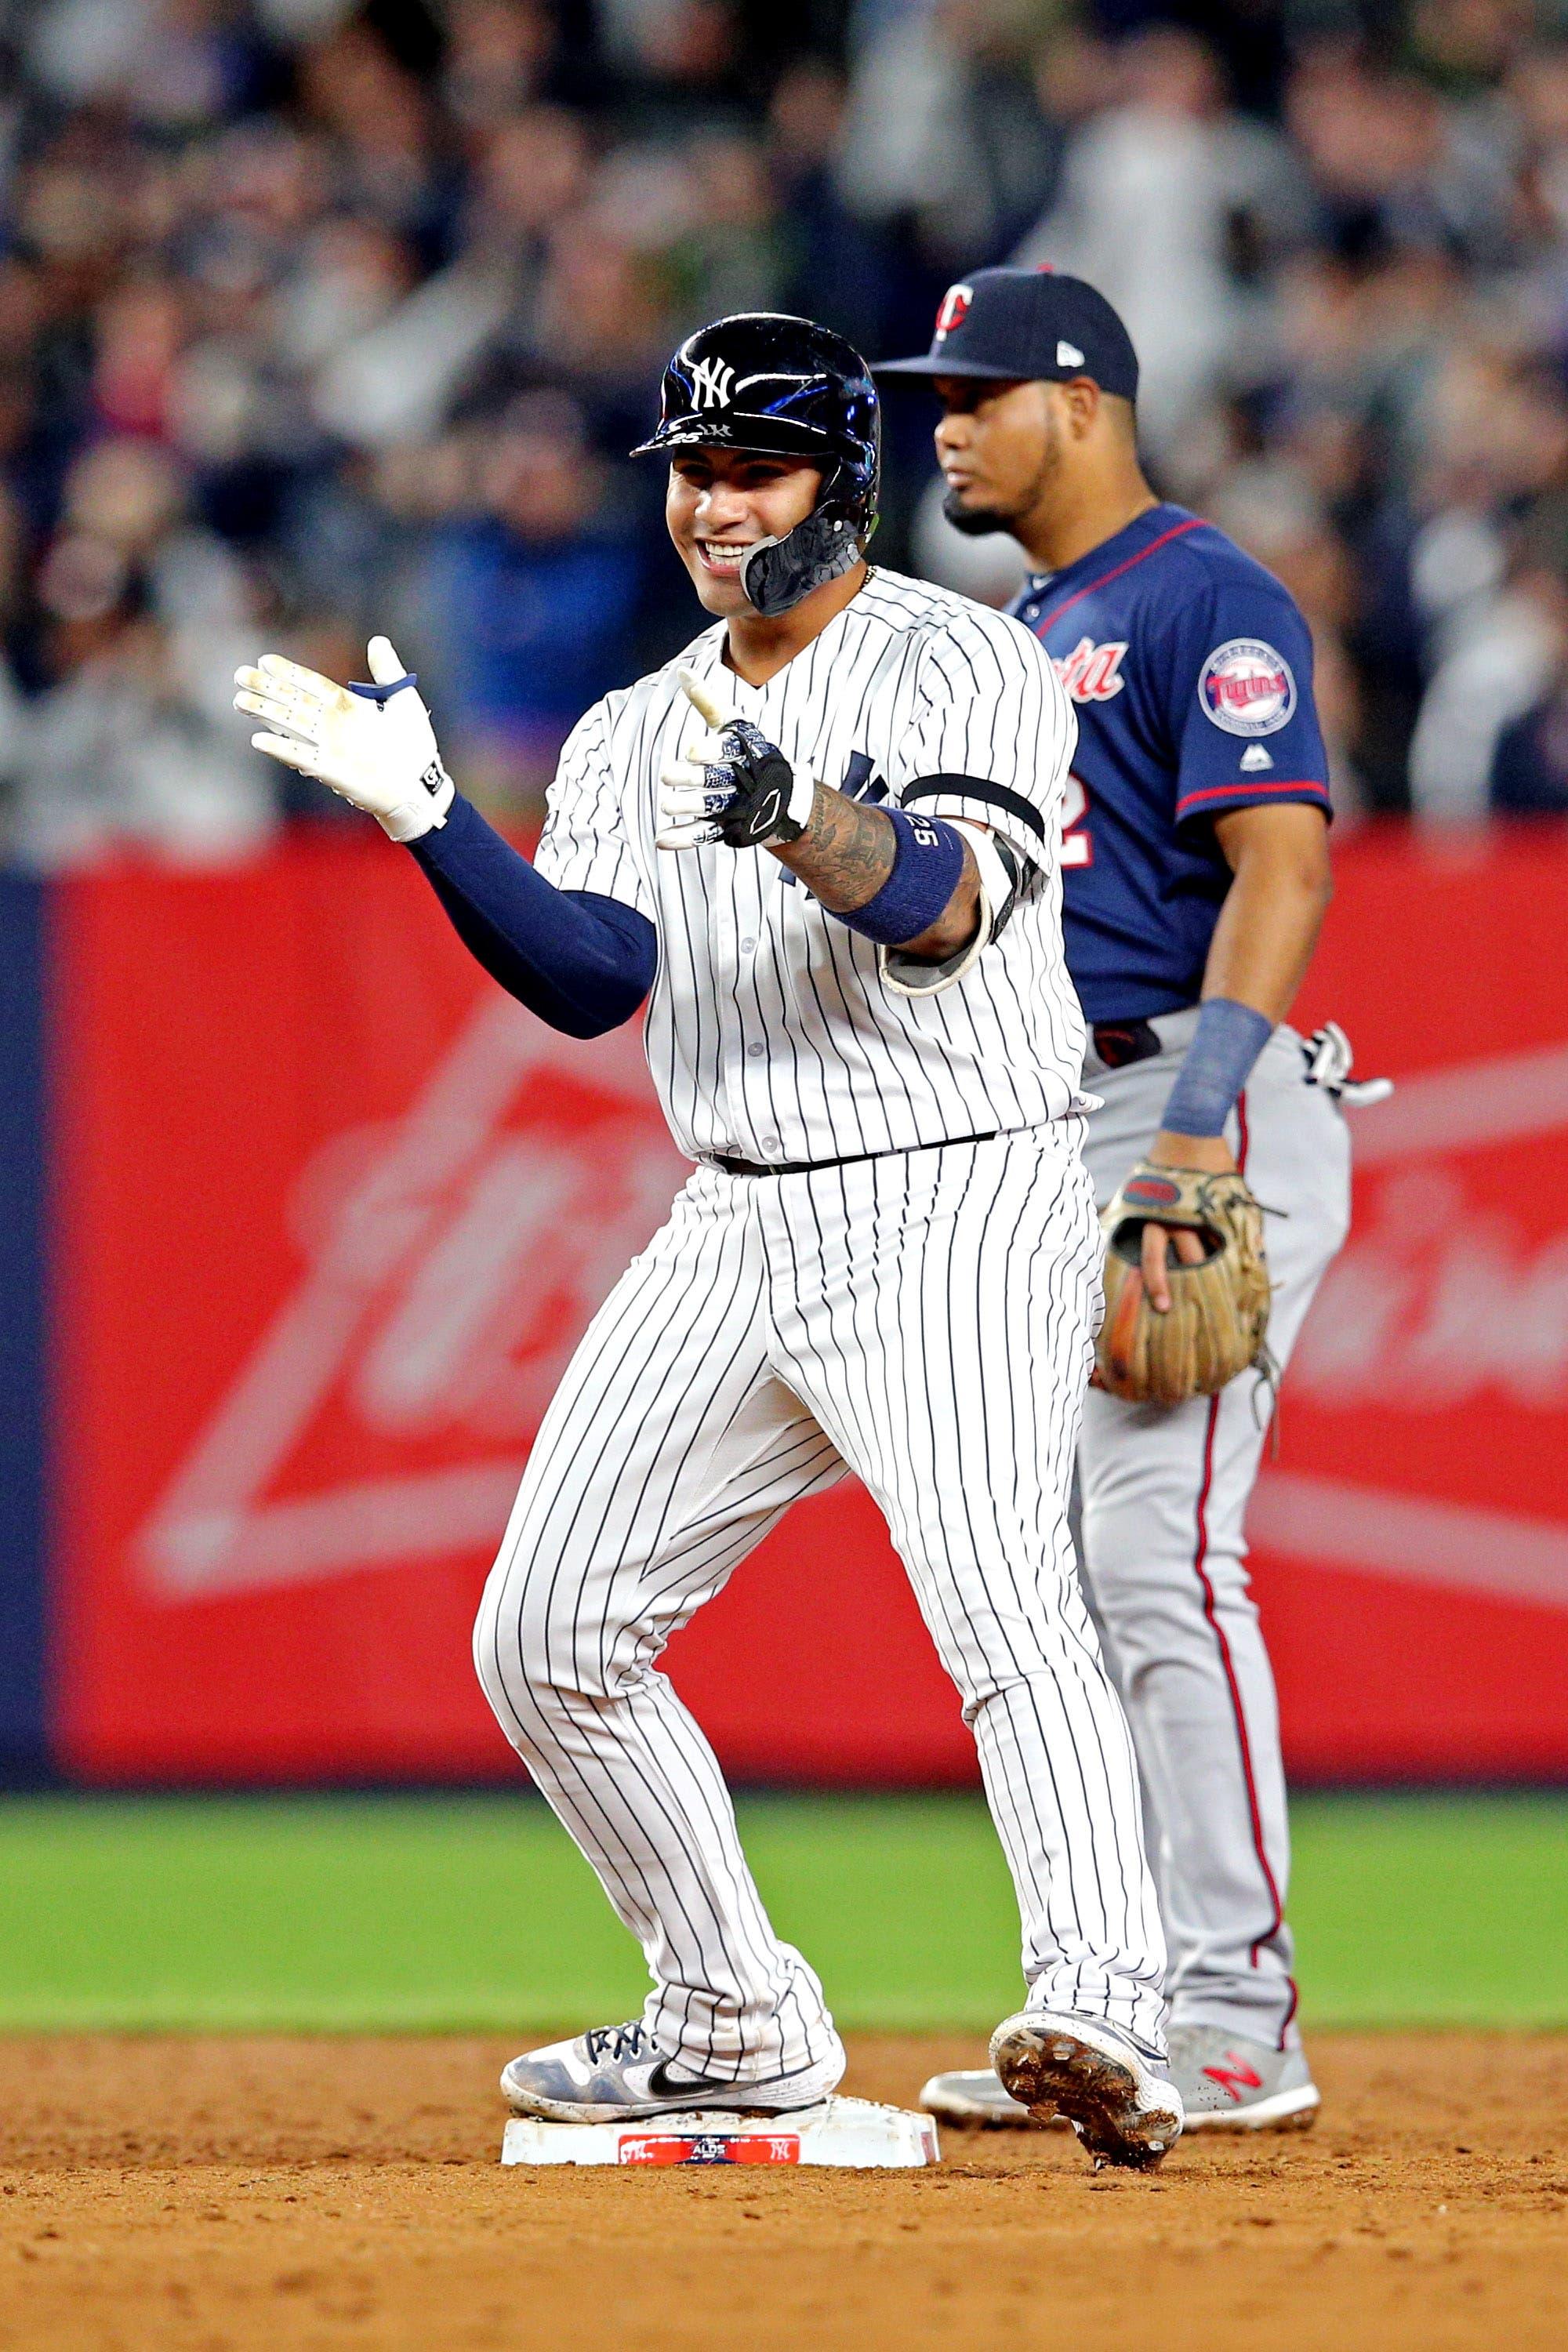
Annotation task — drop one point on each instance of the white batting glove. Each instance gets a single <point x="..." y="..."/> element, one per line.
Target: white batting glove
<point x="732" y="785"/>
<point x="374" y="745"/>
<point x="1330" y="1060"/>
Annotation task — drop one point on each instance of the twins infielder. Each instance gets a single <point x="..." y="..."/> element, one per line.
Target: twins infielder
<point x="828" y="841"/>
<point x="1195" y="868"/>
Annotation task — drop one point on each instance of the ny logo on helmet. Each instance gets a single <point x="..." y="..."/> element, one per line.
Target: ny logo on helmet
<point x="711" y="382"/>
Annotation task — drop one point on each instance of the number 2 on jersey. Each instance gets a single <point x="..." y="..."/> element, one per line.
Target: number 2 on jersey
<point x="1078" y="845"/>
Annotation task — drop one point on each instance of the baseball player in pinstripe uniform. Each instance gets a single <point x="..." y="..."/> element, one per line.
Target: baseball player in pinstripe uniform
<point x="1195" y="877"/>
<point x="825" y="844"/>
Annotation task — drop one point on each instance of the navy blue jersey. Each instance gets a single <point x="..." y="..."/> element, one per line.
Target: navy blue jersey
<point x="1191" y="668"/>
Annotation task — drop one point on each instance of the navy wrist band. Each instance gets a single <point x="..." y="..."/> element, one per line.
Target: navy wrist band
<point x="926" y="863"/>
<point x="1227" y="1041"/>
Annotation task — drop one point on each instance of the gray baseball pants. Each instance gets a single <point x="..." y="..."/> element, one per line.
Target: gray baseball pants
<point x="1163" y="1500"/>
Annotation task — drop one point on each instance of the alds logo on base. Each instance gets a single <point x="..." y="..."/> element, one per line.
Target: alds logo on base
<point x="1246" y="688"/>
<point x="710" y="2148"/>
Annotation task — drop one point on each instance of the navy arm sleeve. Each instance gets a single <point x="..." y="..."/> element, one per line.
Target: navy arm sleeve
<point x="582" y="961"/>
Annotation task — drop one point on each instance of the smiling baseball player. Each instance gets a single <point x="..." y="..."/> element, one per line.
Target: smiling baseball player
<point x="1195" y="877"/>
<point x="824" y="844"/>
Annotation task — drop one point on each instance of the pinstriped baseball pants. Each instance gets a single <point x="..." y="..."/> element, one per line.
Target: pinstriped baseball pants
<point x="927" y="1319"/>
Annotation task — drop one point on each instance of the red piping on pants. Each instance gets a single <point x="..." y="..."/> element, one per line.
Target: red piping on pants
<point x="1211" y="1613"/>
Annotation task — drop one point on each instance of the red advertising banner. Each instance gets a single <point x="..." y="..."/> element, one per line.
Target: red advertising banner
<point x="1411" y="1546"/>
<point x="332" y="1211"/>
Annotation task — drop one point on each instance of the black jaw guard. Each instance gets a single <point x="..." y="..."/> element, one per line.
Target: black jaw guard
<point x="778" y="573"/>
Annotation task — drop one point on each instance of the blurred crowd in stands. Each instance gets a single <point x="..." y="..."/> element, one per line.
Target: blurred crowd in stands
<point x="321" y="316"/>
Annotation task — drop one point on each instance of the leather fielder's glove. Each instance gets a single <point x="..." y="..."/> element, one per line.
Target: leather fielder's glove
<point x="373" y="745"/>
<point x="735" y="786"/>
<point x="1218" y="1316"/>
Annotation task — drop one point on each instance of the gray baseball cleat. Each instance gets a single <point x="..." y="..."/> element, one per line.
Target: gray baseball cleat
<point x="615" y="2073"/>
<point x="1230" y="2082"/>
<point x="972" y="2098"/>
<point x="1115" y="2095"/>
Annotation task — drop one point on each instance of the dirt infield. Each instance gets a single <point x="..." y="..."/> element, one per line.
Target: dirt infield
<point x="303" y="2196"/>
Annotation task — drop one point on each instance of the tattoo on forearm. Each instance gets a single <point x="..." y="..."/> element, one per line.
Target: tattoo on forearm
<point x="846" y="853"/>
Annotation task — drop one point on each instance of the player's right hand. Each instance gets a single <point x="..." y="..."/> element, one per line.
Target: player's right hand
<point x="374" y="745"/>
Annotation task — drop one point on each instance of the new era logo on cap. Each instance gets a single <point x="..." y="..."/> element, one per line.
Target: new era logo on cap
<point x="1068" y="355"/>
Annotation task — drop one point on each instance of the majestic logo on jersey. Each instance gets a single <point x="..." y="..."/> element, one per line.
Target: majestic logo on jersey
<point x="1092" y="673"/>
<point x="954" y="310"/>
<point x="712" y="380"/>
<point x="1254" y="759"/>
<point x="1246" y="688"/>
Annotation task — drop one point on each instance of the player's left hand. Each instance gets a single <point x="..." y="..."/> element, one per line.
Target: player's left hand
<point x="373" y="745"/>
<point x="732" y="786"/>
<point x="1213" y="1156"/>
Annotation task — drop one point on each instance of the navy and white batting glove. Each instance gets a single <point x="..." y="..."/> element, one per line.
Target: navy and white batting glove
<point x="373" y="745"/>
<point x="732" y="785"/>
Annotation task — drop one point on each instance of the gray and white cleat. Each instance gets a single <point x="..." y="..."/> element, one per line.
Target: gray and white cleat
<point x="974" y="2100"/>
<point x="1125" y="2110"/>
<point x="1230" y="2082"/>
<point x="615" y="2073"/>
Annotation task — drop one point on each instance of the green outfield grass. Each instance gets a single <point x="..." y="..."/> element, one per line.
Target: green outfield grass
<point x="383" y="1913"/>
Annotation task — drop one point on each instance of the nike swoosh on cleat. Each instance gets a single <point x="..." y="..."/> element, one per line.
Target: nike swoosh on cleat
<point x="659" y="2085"/>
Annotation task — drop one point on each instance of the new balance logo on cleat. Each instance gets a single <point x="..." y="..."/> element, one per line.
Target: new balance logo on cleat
<point x="1230" y="2082"/>
<point x="1233" y="2075"/>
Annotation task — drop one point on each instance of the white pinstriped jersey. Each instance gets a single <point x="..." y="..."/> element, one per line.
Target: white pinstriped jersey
<point x="772" y="1035"/>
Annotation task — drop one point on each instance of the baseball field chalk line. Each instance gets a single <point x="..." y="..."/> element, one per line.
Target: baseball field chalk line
<point x="855" y="2133"/>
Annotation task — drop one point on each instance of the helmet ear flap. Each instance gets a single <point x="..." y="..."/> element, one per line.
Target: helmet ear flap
<point x="778" y="573"/>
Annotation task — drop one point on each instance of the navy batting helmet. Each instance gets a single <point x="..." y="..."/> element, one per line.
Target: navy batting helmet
<point x="762" y="380"/>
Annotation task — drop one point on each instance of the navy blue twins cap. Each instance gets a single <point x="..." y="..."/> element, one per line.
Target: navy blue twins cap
<point x="1021" y="324"/>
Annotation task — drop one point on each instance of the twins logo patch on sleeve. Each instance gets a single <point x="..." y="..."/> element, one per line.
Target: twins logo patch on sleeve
<point x="1246" y="688"/>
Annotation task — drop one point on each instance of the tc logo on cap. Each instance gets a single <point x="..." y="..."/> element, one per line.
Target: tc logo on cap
<point x="954" y="310"/>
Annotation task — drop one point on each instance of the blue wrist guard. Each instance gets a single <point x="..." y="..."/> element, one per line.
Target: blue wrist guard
<point x="1228" y="1039"/>
<point x="927" y="862"/>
